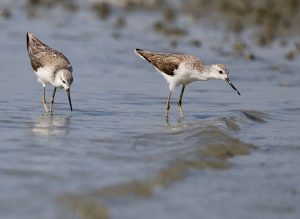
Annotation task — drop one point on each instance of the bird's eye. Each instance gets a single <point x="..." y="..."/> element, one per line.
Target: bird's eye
<point x="64" y="82"/>
<point x="221" y="72"/>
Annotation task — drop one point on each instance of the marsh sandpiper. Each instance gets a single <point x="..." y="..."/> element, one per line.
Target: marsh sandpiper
<point x="51" y="67"/>
<point x="183" y="69"/>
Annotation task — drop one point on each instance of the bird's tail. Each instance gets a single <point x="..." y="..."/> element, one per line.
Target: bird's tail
<point x="27" y="39"/>
<point x="34" y="43"/>
<point x="138" y="51"/>
<point x="144" y="54"/>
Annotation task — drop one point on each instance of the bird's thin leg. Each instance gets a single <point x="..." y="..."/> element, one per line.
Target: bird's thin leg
<point x="180" y="101"/>
<point x="44" y="99"/>
<point x="52" y="100"/>
<point x="168" y="105"/>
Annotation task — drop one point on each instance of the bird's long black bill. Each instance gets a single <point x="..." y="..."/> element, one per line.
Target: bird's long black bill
<point x="233" y="87"/>
<point x="69" y="97"/>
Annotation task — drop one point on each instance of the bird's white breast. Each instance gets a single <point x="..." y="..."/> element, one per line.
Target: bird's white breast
<point x="184" y="75"/>
<point x="45" y="75"/>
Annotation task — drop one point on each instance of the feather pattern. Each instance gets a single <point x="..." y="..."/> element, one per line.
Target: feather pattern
<point x="168" y="63"/>
<point x="42" y="55"/>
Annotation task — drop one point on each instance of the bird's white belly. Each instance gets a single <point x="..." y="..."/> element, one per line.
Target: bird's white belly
<point x="184" y="78"/>
<point x="44" y="75"/>
<point x="177" y="79"/>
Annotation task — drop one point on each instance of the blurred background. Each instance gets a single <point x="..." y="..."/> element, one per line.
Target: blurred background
<point x="115" y="156"/>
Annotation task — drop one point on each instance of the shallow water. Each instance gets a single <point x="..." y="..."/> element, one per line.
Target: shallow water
<point x="115" y="156"/>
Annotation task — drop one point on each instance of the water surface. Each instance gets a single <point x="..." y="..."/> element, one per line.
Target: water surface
<point x="114" y="156"/>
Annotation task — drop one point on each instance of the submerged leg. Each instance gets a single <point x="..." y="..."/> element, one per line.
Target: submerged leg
<point x="168" y="105"/>
<point x="52" y="100"/>
<point x="44" y="99"/>
<point x="180" y="101"/>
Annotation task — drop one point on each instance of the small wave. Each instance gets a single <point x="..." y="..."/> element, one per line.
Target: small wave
<point x="255" y="116"/>
<point x="207" y="144"/>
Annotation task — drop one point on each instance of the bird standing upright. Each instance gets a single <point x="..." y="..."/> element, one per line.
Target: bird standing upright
<point x="51" y="67"/>
<point x="183" y="69"/>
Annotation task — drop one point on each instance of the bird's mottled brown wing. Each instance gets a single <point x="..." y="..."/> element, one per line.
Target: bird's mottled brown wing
<point x="165" y="62"/>
<point x="41" y="55"/>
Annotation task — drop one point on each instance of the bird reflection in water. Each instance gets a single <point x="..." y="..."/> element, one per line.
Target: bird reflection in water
<point x="52" y="125"/>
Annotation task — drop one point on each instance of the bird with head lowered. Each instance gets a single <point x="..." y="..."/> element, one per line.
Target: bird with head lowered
<point x="50" y="67"/>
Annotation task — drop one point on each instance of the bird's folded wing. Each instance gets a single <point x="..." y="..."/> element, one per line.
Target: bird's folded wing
<point x="164" y="62"/>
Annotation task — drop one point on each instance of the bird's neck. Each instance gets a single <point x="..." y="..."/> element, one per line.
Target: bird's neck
<point x="210" y="72"/>
<point x="57" y="79"/>
<point x="205" y="74"/>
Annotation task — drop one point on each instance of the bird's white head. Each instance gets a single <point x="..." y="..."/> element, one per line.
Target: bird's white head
<point x="64" y="79"/>
<point x="220" y="71"/>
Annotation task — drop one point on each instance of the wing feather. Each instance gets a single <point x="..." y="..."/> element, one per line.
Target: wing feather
<point x="41" y="55"/>
<point x="165" y="62"/>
